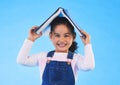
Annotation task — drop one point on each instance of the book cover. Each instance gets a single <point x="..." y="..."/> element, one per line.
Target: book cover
<point x="61" y="12"/>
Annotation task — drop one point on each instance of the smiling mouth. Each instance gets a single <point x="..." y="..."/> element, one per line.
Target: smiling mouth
<point x="61" y="44"/>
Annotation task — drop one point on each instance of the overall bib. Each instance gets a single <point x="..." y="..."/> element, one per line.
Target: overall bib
<point x="58" y="72"/>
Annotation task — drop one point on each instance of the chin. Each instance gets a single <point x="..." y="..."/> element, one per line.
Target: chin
<point x="61" y="50"/>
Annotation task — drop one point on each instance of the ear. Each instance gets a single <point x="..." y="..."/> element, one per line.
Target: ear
<point x="74" y="37"/>
<point x="50" y="35"/>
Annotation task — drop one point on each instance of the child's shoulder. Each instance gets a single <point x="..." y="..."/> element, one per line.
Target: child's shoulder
<point x="40" y="54"/>
<point x="77" y="55"/>
<point x="43" y="53"/>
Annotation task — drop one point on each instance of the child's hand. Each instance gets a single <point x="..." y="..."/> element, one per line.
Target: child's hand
<point x="32" y="35"/>
<point x="85" y="40"/>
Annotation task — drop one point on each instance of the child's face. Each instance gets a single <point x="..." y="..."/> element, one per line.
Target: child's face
<point x="61" y="38"/>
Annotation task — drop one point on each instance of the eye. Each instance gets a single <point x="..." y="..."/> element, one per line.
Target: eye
<point x="56" y="35"/>
<point x="67" y="35"/>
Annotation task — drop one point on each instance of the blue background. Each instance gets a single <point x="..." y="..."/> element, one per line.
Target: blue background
<point x="100" y="18"/>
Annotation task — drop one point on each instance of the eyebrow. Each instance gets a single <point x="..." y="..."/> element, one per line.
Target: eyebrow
<point x="65" y="33"/>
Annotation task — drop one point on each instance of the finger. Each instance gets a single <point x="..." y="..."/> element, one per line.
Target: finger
<point x="83" y="35"/>
<point x="83" y="40"/>
<point x="34" y="27"/>
<point x="82" y="31"/>
<point x="40" y="34"/>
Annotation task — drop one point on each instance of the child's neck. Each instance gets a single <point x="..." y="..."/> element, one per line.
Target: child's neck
<point x="61" y="51"/>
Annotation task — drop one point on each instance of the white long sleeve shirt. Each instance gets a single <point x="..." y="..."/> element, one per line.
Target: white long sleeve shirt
<point x="85" y="62"/>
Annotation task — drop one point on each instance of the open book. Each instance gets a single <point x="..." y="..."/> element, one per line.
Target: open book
<point x="59" y="12"/>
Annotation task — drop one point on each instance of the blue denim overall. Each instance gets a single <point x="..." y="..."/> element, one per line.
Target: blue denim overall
<point x="58" y="72"/>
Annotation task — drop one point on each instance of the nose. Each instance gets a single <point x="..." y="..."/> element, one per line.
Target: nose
<point x="62" y="38"/>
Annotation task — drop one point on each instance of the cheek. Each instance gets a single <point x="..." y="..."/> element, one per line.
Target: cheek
<point x="54" y="40"/>
<point x="70" y="40"/>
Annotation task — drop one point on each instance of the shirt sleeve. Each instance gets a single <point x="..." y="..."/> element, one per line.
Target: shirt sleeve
<point x="23" y="55"/>
<point x="87" y="61"/>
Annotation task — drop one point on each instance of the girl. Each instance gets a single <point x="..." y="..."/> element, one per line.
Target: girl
<point x="60" y="66"/>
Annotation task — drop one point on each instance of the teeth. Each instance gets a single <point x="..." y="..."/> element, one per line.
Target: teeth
<point x="62" y="45"/>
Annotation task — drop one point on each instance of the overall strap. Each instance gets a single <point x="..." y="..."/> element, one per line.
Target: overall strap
<point x="51" y="53"/>
<point x="49" y="56"/>
<point x="70" y="57"/>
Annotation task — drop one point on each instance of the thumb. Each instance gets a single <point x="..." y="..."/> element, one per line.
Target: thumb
<point x="40" y="34"/>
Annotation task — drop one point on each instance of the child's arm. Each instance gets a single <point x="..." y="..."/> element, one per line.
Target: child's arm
<point x="87" y="62"/>
<point x="23" y="57"/>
